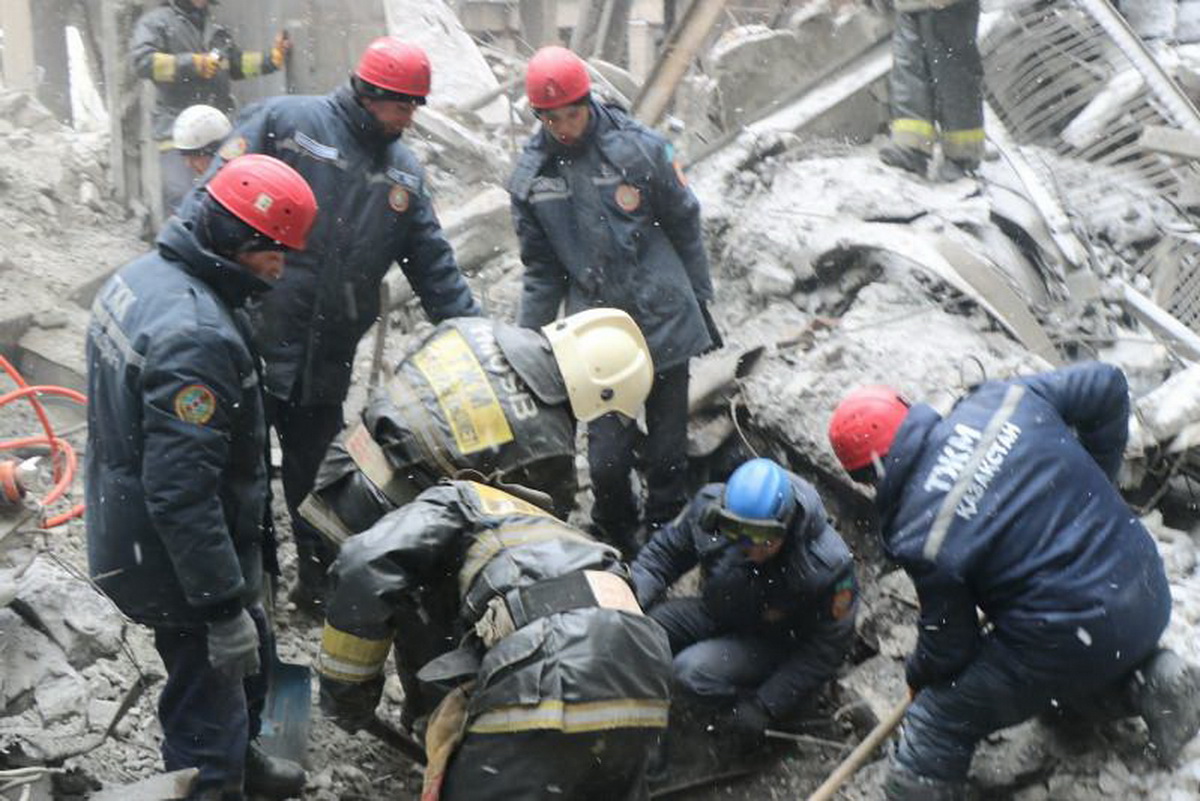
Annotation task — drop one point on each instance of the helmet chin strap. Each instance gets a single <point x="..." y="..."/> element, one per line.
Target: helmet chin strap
<point x="877" y="463"/>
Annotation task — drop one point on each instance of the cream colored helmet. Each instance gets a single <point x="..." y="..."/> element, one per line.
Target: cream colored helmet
<point x="200" y="128"/>
<point x="604" y="361"/>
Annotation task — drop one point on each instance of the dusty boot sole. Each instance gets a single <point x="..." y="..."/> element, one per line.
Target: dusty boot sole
<point x="1169" y="702"/>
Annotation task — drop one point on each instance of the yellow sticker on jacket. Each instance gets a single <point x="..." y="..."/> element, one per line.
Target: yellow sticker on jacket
<point x="628" y="197"/>
<point x="498" y="502"/>
<point x="195" y="403"/>
<point x="463" y="392"/>
<point x="398" y="199"/>
<point x="233" y="148"/>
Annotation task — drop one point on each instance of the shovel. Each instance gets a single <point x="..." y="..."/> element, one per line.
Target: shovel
<point x="287" y="711"/>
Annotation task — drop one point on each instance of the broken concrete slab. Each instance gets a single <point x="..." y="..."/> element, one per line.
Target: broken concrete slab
<point x="480" y="229"/>
<point x="82" y="621"/>
<point x="878" y="682"/>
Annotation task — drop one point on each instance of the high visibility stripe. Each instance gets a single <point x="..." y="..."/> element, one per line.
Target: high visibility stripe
<point x="252" y="62"/>
<point x="489" y="543"/>
<point x="349" y="658"/>
<point x="163" y="67"/>
<point x="499" y="503"/>
<point x="112" y="332"/>
<point x="464" y="393"/>
<point x="945" y="515"/>
<point x="964" y="144"/>
<point x="966" y="136"/>
<point x="908" y="132"/>
<point x="573" y="718"/>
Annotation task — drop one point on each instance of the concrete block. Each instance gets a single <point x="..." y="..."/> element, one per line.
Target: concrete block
<point x="480" y="229"/>
<point x="879" y="682"/>
<point x="82" y="621"/>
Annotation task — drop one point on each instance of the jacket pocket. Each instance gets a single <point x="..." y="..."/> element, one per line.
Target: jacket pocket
<point x="511" y="671"/>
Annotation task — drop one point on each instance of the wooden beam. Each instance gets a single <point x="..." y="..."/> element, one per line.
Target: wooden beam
<point x="20" y="64"/>
<point x="684" y="43"/>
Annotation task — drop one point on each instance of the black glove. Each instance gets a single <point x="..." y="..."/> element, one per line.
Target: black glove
<point x="350" y="705"/>
<point x="714" y="333"/>
<point x="916" y="675"/>
<point x="233" y="646"/>
<point x="744" y="725"/>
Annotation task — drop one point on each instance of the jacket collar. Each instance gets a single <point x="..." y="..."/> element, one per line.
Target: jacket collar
<point x="196" y="16"/>
<point x="902" y="459"/>
<point x="231" y="281"/>
<point x="361" y="122"/>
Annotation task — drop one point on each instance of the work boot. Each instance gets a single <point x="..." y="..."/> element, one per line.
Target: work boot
<point x="901" y="785"/>
<point x="956" y="169"/>
<point x="906" y="158"/>
<point x="1166" y="693"/>
<point x="270" y="776"/>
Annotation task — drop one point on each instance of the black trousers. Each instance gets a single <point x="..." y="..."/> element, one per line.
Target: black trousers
<point x="305" y="433"/>
<point x="593" y="766"/>
<point x="615" y="447"/>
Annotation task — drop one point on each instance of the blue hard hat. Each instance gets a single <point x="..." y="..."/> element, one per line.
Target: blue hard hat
<point x="758" y="492"/>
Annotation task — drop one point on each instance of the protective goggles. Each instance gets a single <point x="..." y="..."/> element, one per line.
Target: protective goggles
<point x="745" y="530"/>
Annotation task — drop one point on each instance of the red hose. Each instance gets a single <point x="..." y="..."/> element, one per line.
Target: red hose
<point x="64" y="467"/>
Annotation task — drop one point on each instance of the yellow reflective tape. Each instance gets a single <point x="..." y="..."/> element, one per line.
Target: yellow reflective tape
<point x="917" y="134"/>
<point x="498" y="502"/>
<point x="491" y="542"/>
<point x="163" y="67"/>
<point x="463" y="392"/>
<point x="347" y="657"/>
<point x="968" y="136"/>
<point x="573" y="717"/>
<point x="252" y="62"/>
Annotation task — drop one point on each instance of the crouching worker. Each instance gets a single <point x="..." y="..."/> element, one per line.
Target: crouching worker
<point x="775" y="617"/>
<point x="481" y="395"/>
<point x="177" y="481"/>
<point x="562" y="681"/>
<point x="1008" y="505"/>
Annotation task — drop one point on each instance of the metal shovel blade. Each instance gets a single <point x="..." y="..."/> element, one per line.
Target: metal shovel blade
<point x="286" y="714"/>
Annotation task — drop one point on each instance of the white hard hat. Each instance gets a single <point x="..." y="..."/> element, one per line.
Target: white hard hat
<point x="604" y="362"/>
<point x="200" y="128"/>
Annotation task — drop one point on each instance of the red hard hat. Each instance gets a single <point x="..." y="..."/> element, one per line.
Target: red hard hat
<point x="267" y="195"/>
<point x="556" y="77"/>
<point x="865" y="423"/>
<point x="396" y="66"/>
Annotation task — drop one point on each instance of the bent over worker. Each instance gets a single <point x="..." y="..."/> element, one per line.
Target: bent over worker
<point x="775" y="616"/>
<point x="375" y="211"/>
<point x="191" y="60"/>
<point x="177" y="480"/>
<point x="1008" y="505"/>
<point x="569" y="678"/>
<point x="479" y="394"/>
<point x="605" y="218"/>
<point x="936" y="87"/>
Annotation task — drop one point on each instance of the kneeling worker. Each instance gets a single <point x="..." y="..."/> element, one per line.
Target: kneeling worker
<point x="1008" y="505"/>
<point x="568" y="679"/>
<point x="775" y="617"/>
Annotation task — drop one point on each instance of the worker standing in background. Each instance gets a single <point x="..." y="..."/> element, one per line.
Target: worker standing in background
<point x="1008" y="505"/>
<point x="936" y="87"/>
<point x="605" y="218"/>
<point x="176" y="474"/>
<point x="197" y="133"/>
<point x="775" y="616"/>
<point x="375" y="211"/>
<point x="191" y="60"/>
<point x="568" y="679"/>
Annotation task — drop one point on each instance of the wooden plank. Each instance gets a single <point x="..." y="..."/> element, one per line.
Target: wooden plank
<point x="684" y="42"/>
<point x="20" y="64"/>
<point x="1171" y="141"/>
<point x="164" y="787"/>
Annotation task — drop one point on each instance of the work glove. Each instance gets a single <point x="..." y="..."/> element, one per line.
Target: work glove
<point x="206" y="65"/>
<point x="350" y="705"/>
<point x="280" y="49"/>
<point x="714" y="333"/>
<point x="233" y="646"/>
<point x="744" y="725"/>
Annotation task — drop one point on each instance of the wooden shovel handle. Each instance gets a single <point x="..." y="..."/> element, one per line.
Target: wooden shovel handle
<point x="859" y="755"/>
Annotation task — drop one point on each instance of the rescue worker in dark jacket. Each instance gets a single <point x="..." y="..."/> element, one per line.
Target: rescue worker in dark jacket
<point x="1008" y="504"/>
<point x="176" y="475"/>
<point x="936" y="87"/>
<point x="775" y="617"/>
<point x="481" y="395"/>
<point x="375" y="210"/>
<point x="570" y="679"/>
<point x="605" y="218"/>
<point x="191" y="61"/>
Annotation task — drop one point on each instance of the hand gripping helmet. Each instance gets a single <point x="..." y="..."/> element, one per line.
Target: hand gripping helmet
<point x="604" y="361"/>
<point x="556" y="77"/>
<point x="267" y="195"/>
<point x="864" y="425"/>
<point x="758" y="503"/>
<point x="390" y="67"/>
<point x="200" y="128"/>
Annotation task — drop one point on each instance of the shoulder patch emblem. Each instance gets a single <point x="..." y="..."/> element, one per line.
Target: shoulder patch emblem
<point x="196" y="404"/>
<point x="628" y="197"/>
<point x="843" y="599"/>
<point x="398" y="199"/>
<point x="233" y="148"/>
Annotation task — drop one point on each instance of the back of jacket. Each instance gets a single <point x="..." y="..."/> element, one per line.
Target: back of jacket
<point x="587" y="668"/>
<point x="475" y="394"/>
<point x="1008" y="504"/>
<point x="374" y="209"/>
<point x="175" y="470"/>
